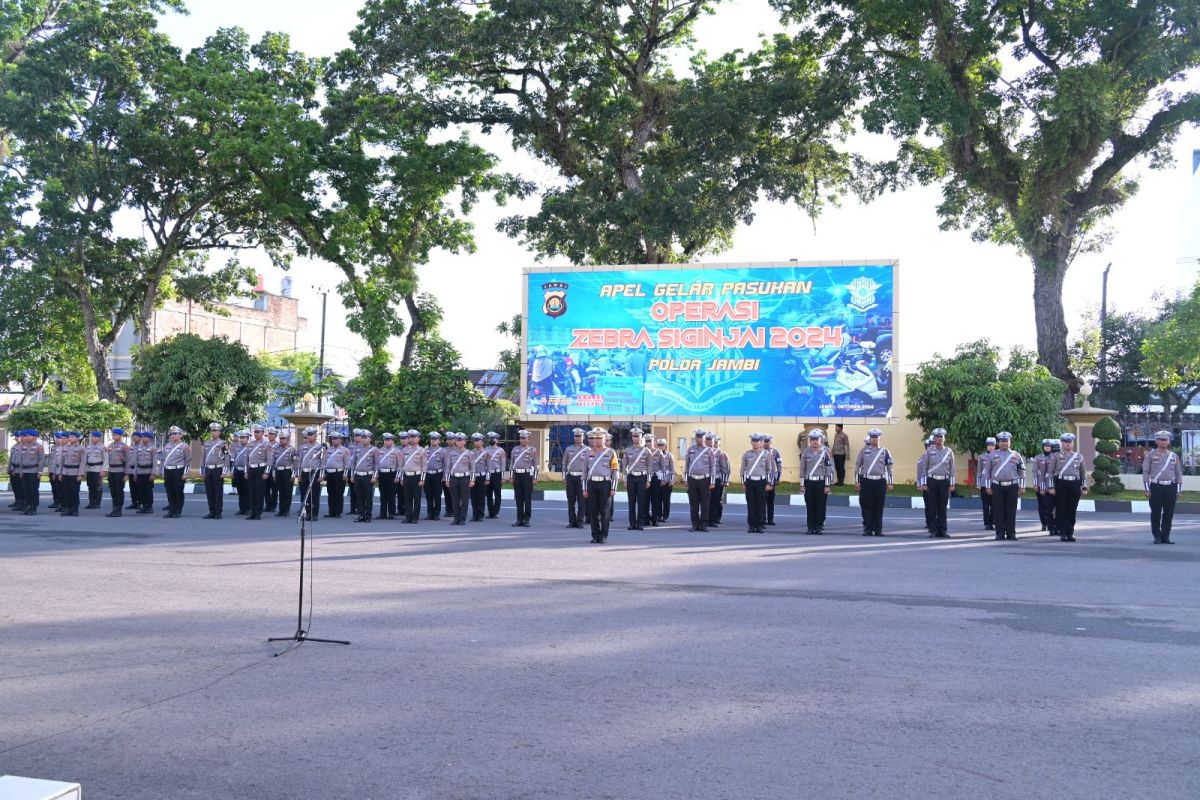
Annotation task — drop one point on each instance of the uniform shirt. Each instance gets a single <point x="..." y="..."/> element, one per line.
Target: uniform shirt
<point x="176" y="454"/>
<point x="310" y="456"/>
<point x="1004" y="466"/>
<point x="1067" y="465"/>
<point x="413" y="459"/>
<point x="56" y="453"/>
<point x="284" y="456"/>
<point x="874" y="462"/>
<point x="636" y="458"/>
<point x="27" y="459"/>
<point x="117" y="456"/>
<point x="664" y="466"/>
<point x="434" y="459"/>
<point x="237" y="455"/>
<point x="602" y="464"/>
<point x="258" y="452"/>
<point x="816" y="465"/>
<point x="723" y="468"/>
<point x="216" y="454"/>
<point x="756" y="464"/>
<point x="143" y="459"/>
<point x="93" y="455"/>
<point x="700" y="461"/>
<point x="841" y="444"/>
<point x="366" y="460"/>
<point x="337" y="458"/>
<point x="389" y="458"/>
<point x="777" y="459"/>
<point x="524" y="457"/>
<point x="479" y="461"/>
<point x="71" y="460"/>
<point x="457" y="461"/>
<point x="937" y="464"/>
<point x="979" y="484"/>
<point x="572" y="459"/>
<point x="497" y="459"/>
<point x="1158" y="467"/>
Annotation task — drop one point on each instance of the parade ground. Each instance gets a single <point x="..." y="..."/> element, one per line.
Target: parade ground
<point x="496" y="662"/>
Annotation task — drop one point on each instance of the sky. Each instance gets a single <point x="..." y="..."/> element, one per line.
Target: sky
<point x="951" y="289"/>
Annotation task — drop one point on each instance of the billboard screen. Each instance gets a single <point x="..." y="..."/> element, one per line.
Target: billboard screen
<point x="753" y="341"/>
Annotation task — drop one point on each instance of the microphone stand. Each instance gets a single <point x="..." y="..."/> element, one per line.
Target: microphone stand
<point x="301" y="635"/>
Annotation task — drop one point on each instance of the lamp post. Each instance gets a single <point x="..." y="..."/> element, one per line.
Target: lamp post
<point x="1104" y="335"/>
<point x="321" y="357"/>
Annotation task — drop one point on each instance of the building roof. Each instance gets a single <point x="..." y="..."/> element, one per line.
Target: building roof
<point x="493" y="383"/>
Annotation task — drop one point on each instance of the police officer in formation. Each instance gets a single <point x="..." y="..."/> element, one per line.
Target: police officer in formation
<point x="873" y="480"/>
<point x="365" y="475"/>
<point x="524" y="467"/>
<point x="716" y="508"/>
<point x="411" y="475"/>
<point x="215" y="467"/>
<point x="93" y="454"/>
<point x="459" y="477"/>
<point x="662" y="483"/>
<point x="141" y="484"/>
<point x="600" y="471"/>
<point x="1067" y="478"/>
<point x="175" y="462"/>
<point x="237" y="454"/>
<point x="284" y="460"/>
<point x="636" y="464"/>
<point x="1162" y="475"/>
<point x="25" y="463"/>
<point x="1004" y="480"/>
<point x="311" y="463"/>
<point x="1043" y="484"/>
<point x="271" y="495"/>
<point x="496" y="463"/>
<point x="777" y="473"/>
<point x="756" y="475"/>
<point x="572" y="470"/>
<point x="937" y="478"/>
<point x="817" y="470"/>
<point x="333" y="474"/>
<point x="434" y="454"/>
<point x="700" y="467"/>
<point x="985" y="501"/>
<point x="479" y="477"/>
<point x="389" y="483"/>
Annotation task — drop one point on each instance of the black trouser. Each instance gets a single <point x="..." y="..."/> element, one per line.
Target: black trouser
<point x="1162" y="509"/>
<point x="479" y="497"/>
<point x="871" y="497"/>
<point x="575" y="510"/>
<point x="655" y="498"/>
<point x="214" y="489"/>
<point x="460" y="494"/>
<point x="446" y="495"/>
<point x="69" y="493"/>
<point x="335" y="487"/>
<point x="283" y="491"/>
<point x="985" y="501"/>
<point x="928" y="507"/>
<point x="937" y="496"/>
<point x="387" y="495"/>
<point x="271" y="493"/>
<point x="256" y="483"/>
<point x="243" y="490"/>
<point x="637" y="495"/>
<point x="173" y="483"/>
<point x="18" y="489"/>
<point x="412" y="497"/>
<point x="364" y="495"/>
<point x="1004" y="509"/>
<point x="31" y="491"/>
<point x="116" y="489"/>
<point x="716" y="503"/>
<point x="664" y="501"/>
<point x="495" y="484"/>
<point x="599" y="493"/>
<point x="1046" y="504"/>
<point x="141" y="491"/>
<point x="433" y="494"/>
<point x="839" y="466"/>
<point x="310" y="493"/>
<point x="756" y="503"/>
<point x="1066" y="503"/>
<point x="699" y="491"/>
<point x="523" y="494"/>
<point x="814" y="504"/>
<point x="95" y="486"/>
<point x="55" y="491"/>
<point x="770" y="497"/>
<point x="352" y="490"/>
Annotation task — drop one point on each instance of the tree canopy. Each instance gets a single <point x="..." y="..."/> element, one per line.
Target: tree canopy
<point x="1171" y="354"/>
<point x="973" y="395"/>
<point x="1028" y="113"/>
<point x="67" y="411"/>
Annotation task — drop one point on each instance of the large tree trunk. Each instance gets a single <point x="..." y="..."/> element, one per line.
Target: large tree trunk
<point x="1051" y="323"/>
<point x="416" y="326"/>
<point x="106" y="387"/>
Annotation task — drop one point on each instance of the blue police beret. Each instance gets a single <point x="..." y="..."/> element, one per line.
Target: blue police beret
<point x="118" y="431"/>
<point x="97" y="433"/>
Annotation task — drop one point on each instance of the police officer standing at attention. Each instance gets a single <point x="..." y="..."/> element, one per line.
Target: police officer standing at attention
<point x="572" y="461"/>
<point x="1043" y="483"/>
<point x="13" y="481"/>
<point x="1163" y="479"/>
<point x="216" y="464"/>
<point x="412" y="476"/>
<point x="1005" y="482"/>
<point x="601" y="468"/>
<point x="716" y="509"/>
<point x="524" y="467"/>
<point x="70" y="472"/>
<point x="337" y="464"/>
<point x="389" y="458"/>
<point x="637" y="458"/>
<point x="93" y="453"/>
<point x="497" y="459"/>
<point x="756" y="474"/>
<point x="116" y="462"/>
<point x="271" y="496"/>
<point x="938" y="482"/>
<point x="921" y="482"/>
<point x="434" y="456"/>
<point x="459" y="477"/>
<point x="27" y="463"/>
<point x="1068" y="481"/>
<point x="872" y="480"/>
<point x="311" y="456"/>
<point x="776" y="474"/>
<point x="664" y="474"/>
<point x="816" y="467"/>
<point x="365" y="474"/>
<point x="141" y="478"/>
<point x="985" y="501"/>
<point x="257" y="475"/>
<point x="283" y="466"/>
<point x="479" y="477"/>
<point x="700" y="467"/>
<point x="841" y="449"/>
<point x="237" y="455"/>
<point x="176" y="462"/>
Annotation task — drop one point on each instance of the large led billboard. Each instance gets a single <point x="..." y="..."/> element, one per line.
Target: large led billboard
<point x="710" y="341"/>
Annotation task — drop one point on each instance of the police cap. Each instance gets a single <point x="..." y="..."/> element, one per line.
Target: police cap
<point x="939" y="432"/>
<point x="1067" y="437"/>
<point x="1163" y="435"/>
<point x="1003" y="436"/>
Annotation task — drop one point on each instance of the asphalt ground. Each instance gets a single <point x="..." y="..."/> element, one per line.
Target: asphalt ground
<point x="498" y="662"/>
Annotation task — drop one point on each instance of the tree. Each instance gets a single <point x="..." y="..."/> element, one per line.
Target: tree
<point x="655" y="167"/>
<point x="40" y="332"/>
<point x="303" y="380"/>
<point x="1124" y="384"/>
<point x="1028" y="112"/>
<point x="510" y="357"/>
<point x="189" y="381"/>
<point x="1106" y="468"/>
<point x="23" y="22"/>
<point x="70" y="412"/>
<point x="1171" y="355"/>
<point x="973" y="397"/>
<point x="431" y="394"/>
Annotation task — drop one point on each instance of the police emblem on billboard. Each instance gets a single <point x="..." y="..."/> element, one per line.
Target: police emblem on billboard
<point x="862" y="293"/>
<point x="554" y="303"/>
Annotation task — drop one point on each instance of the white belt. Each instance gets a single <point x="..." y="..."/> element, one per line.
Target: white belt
<point x="368" y="472"/>
<point x="331" y="470"/>
<point x="386" y="471"/>
<point x="636" y="474"/>
<point x="1004" y="483"/>
<point x="1164" y="483"/>
<point x="255" y="466"/>
<point x="412" y="473"/>
<point x="214" y="466"/>
<point x="699" y="476"/>
<point x="522" y="471"/>
<point x="595" y="478"/>
<point x="460" y="474"/>
<point x="753" y="478"/>
<point x="433" y="472"/>
<point x="939" y="477"/>
<point x="1067" y="477"/>
<point x="576" y="474"/>
<point x="874" y="477"/>
<point x="179" y="467"/>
